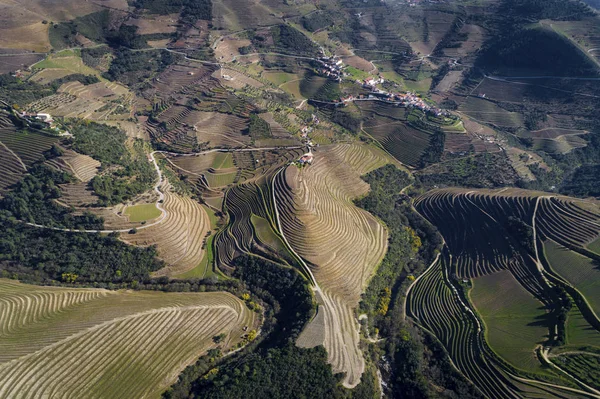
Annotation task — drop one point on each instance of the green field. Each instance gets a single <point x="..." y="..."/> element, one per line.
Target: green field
<point x="69" y="60"/>
<point x="514" y="319"/>
<point x="594" y="246"/>
<point x="140" y="213"/>
<point x="293" y="88"/>
<point x="266" y="235"/>
<point x="223" y="160"/>
<point x="420" y="86"/>
<point x="355" y="73"/>
<point x="211" y="216"/>
<point x="579" y="271"/>
<point x="279" y="78"/>
<point x="220" y="179"/>
<point x="579" y="331"/>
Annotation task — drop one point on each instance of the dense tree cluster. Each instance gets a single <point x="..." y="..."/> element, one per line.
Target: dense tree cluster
<point x="126" y="170"/>
<point x="584" y="182"/>
<point x="433" y="153"/>
<point x="346" y="120"/>
<point x="42" y="255"/>
<point x="32" y="200"/>
<point x="126" y="36"/>
<point x="133" y="67"/>
<point x="190" y="10"/>
<point x="485" y="170"/>
<point x="258" y="127"/>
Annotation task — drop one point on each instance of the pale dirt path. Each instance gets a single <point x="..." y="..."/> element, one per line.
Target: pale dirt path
<point x="543" y="351"/>
<point x="328" y="304"/>
<point x="157" y="188"/>
<point x="15" y="155"/>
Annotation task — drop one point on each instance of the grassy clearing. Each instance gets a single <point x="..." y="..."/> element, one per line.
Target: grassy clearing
<point x="211" y="216"/>
<point x="356" y="73"/>
<point x="52" y="332"/>
<point x="515" y="320"/>
<point x="69" y="60"/>
<point x="220" y="179"/>
<point x="577" y="269"/>
<point x="293" y="88"/>
<point x="279" y="78"/>
<point x="140" y="213"/>
<point x="266" y="234"/>
<point x="223" y="160"/>
<point x="392" y="76"/>
<point x="420" y="86"/>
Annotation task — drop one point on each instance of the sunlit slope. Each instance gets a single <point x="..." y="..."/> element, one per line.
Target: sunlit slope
<point x="179" y="236"/>
<point x="92" y="343"/>
<point x="341" y="243"/>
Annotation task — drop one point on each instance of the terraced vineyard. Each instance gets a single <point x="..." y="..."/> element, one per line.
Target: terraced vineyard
<point x="207" y="171"/>
<point x="436" y="305"/>
<point x="580" y="271"/>
<point x="179" y="237"/>
<point x="58" y="341"/>
<point x="11" y="168"/>
<point x="489" y="236"/>
<point x="401" y="141"/>
<point x="586" y="367"/>
<point x="388" y="124"/>
<point x="487" y="111"/>
<point x="252" y="227"/>
<point x="218" y="129"/>
<point x="83" y="167"/>
<point x="341" y="243"/>
<point x="28" y="146"/>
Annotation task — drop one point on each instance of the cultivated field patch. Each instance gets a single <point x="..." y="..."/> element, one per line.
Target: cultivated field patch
<point x="580" y="271"/>
<point x="486" y="111"/>
<point x="514" y="319"/>
<point x="142" y="212"/>
<point x="97" y="343"/>
<point x="179" y="237"/>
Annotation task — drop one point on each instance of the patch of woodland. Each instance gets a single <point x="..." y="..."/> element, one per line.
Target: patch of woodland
<point x="417" y="366"/>
<point x="124" y="168"/>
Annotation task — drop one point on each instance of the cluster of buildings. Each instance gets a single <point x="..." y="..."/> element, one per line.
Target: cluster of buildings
<point x="308" y="158"/>
<point x="332" y="67"/>
<point x="42" y="120"/>
<point x="38" y="117"/>
<point x="371" y="83"/>
<point x="408" y="99"/>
